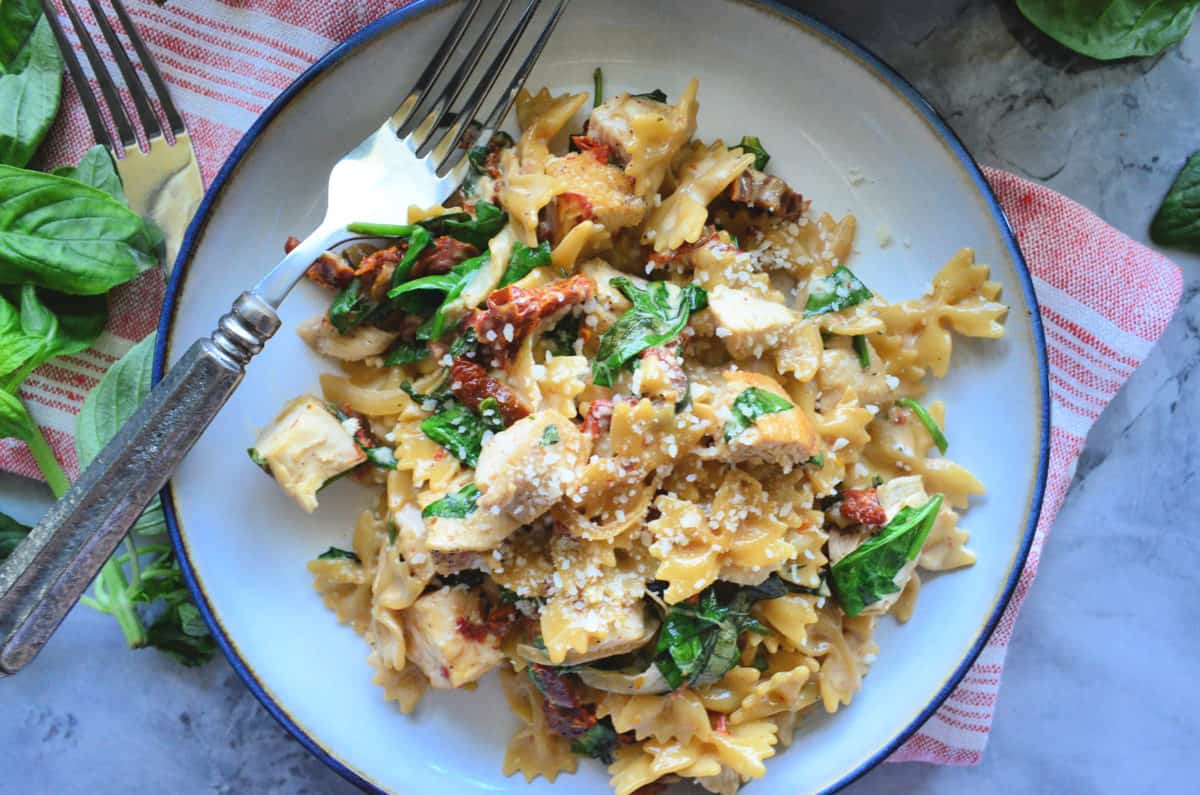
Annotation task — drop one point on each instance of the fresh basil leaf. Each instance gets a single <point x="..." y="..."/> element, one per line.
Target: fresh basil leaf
<point x="835" y="292"/>
<point x="181" y="633"/>
<point x="109" y="406"/>
<point x="17" y="21"/>
<point x="561" y="338"/>
<point x="550" y="436"/>
<point x="334" y="553"/>
<point x="1177" y="222"/>
<point x="406" y="353"/>
<point x="868" y="573"/>
<point x="12" y="533"/>
<point x="62" y="235"/>
<point x="658" y="315"/>
<point x="751" y="145"/>
<point x="458" y="505"/>
<point x="70" y="325"/>
<point x="1112" y="29"/>
<point x="15" y="422"/>
<point x="599" y="741"/>
<point x="930" y="424"/>
<point x="458" y="429"/>
<point x="859" y="341"/>
<point x="97" y="169"/>
<point x="749" y="406"/>
<point x="523" y="260"/>
<point x="657" y="95"/>
<point x="382" y="457"/>
<point x="29" y="96"/>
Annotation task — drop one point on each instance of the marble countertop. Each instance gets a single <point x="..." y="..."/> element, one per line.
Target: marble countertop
<point x="1098" y="695"/>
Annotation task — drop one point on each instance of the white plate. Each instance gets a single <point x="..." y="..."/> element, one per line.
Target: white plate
<point x="841" y="128"/>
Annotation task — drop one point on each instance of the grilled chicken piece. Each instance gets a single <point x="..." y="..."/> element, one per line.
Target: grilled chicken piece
<point x="437" y="644"/>
<point x="607" y="192"/>
<point x="752" y="325"/>
<point x="360" y="343"/>
<point x="784" y="438"/>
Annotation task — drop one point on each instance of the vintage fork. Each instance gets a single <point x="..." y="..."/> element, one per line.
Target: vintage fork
<point x="413" y="158"/>
<point x="163" y="181"/>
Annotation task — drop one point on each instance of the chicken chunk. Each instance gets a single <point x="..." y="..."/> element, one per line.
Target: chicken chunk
<point x="479" y="531"/>
<point x="305" y="447"/>
<point x="841" y="369"/>
<point x="359" y="344"/>
<point x="608" y="196"/>
<point x="611" y="123"/>
<point x="524" y="469"/>
<point x="433" y="634"/>
<point x="784" y="438"/>
<point x="748" y="324"/>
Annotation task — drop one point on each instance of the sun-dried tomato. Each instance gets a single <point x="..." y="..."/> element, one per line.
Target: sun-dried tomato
<point x="514" y="311"/>
<point x="565" y="212"/>
<point x="601" y="151"/>
<point x="444" y="254"/>
<point x="472" y="385"/>
<point x="862" y="506"/>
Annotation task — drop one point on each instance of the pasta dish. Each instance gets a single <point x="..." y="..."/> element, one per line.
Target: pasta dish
<point x="642" y="442"/>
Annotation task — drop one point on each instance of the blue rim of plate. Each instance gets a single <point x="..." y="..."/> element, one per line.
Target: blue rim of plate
<point x="884" y="71"/>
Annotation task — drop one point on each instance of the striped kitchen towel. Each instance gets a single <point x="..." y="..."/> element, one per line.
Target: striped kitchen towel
<point x="1104" y="298"/>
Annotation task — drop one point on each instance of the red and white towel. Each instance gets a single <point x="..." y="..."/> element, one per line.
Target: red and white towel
<point x="1104" y="298"/>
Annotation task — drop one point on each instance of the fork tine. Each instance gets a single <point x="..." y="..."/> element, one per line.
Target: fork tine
<point x="453" y="154"/>
<point x="91" y="106"/>
<point x="174" y="119"/>
<point x="141" y="102"/>
<point x="108" y="87"/>
<point x="421" y="89"/>
<point x="450" y="93"/>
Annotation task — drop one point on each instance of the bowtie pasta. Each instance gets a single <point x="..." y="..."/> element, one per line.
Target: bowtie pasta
<point x="643" y="443"/>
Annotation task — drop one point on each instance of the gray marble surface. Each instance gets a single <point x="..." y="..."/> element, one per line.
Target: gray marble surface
<point x="1099" y="693"/>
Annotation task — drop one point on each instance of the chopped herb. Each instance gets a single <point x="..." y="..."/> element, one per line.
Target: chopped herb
<point x="859" y="341"/>
<point x="490" y="413"/>
<point x="930" y="424"/>
<point x="508" y="596"/>
<point x="759" y="663"/>
<point x="868" y="573"/>
<point x="817" y="460"/>
<point x="404" y="352"/>
<point x="258" y="460"/>
<point x="876" y="481"/>
<point x="458" y="429"/>
<point x="523" y="260"/>
<point x="382" y="457"/>
<point x="334" y="553"/>
<point x="550" y="436"/>
<point x="658" y="315"/>
<point x="350" y="308"/>
<point x="597" y="87"/>
<point x="458" y="505"/>
<point x="835" y="292"/>
<point x="392" y="531"/>
<point x="477" y="155"/>
<point x="440" y="395"/>
<point x="465" y="344"/>
<point x="657" y="95"/>
<point x="749" y="406"/>
<point x="561" y="338"/>
<point x="752" y="146"/>
<point x="599" y="741"/>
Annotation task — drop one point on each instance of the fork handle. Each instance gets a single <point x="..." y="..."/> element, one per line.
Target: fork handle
<point x="49" y="571"/>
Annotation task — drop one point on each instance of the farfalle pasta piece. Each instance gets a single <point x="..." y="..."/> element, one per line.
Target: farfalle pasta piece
<point x="404" y="687"/>
<point x="680" y="715"/>
<point x="786" y="691"/>
<point x="900" y="446"/>
<point x="842" y="668"/>
<point x="542" y="116"/>
<point x="535" y="750"/>
<point x="742" y="750"/>
<point x="682" y="215"/>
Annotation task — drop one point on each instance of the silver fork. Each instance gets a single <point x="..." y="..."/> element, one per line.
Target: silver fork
<point x="413" y="158"/>
<point x="163" y="181"/>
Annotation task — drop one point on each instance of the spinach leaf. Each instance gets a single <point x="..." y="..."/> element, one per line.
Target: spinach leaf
<point x="406" y="353"/>
<point x="550" y="436"/>
<point x="597" y="87"/>
<point x="868" y="573"/>
<point x="751" y="145"/>
<point x="257" y="459"/>
<point x="698" y="643"/>
<point x="66" y="236"/>
<point x="458" y="505"/>
<point x="465" y="344"/>
<point x="1111" y="29"/>
<point x="29" y="95"/>
<point x="599" y="741"/>
<point x="523" y="260"/>
<point x="12" y="533"/>
<point x="930" y="424"/>
<point x="749" y="406"/>
<point x="398" y="231"/>
<point x="835" y="292"/>
<point x="657" y="95"/>
<point x="462" y="273"/>
<point x="478" y="230"/>
<point x="96" y="168"/>
<point x="490" y="413"/>
<point x="561" y="338"/>
<point x="418" y="241"/>
<point x="15" y="422"/>
<point x="817" y="460"/>
<point x="334" y="553"/>
<point x="1177" y="222"/>
<point x="382" y="457"/>
<point x="458" y="429"/>
<point x="350" y="307"/>
<point x="859" y="341"/>
<point x="658" y="315"/>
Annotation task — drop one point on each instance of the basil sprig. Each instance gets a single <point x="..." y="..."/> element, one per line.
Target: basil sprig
<point x="749" y="406"/>
<point x="928" y="421"/>
<point x="835" y="292"/>
<point x="30" y="80"/>
<point x="458" y="505"/>
<point x="658" y="315"/>
<point x="868" y="573"/>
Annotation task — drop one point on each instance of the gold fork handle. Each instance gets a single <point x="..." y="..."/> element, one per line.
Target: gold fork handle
<point x="48" y="572"/>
